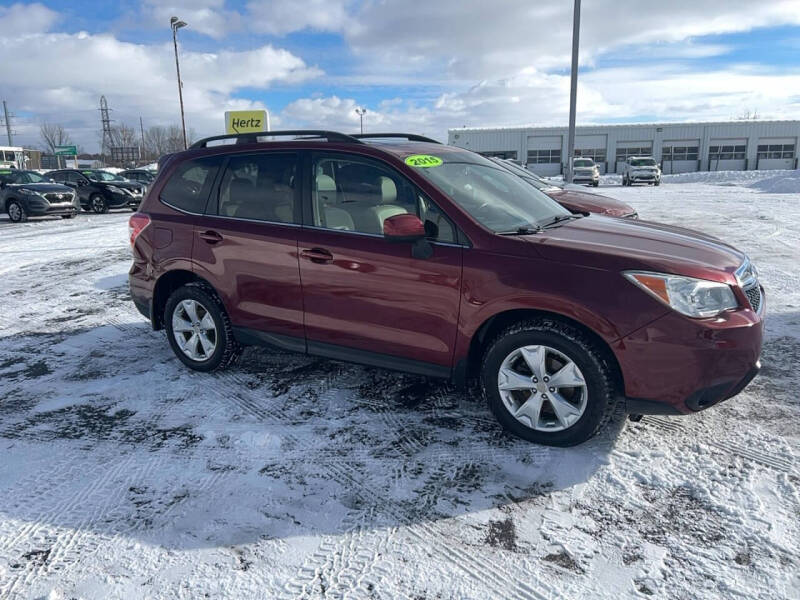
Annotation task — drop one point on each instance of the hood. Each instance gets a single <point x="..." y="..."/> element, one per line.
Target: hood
<point x="43" y="188"/>
<point x="593" y="203"/>
<point x="623" y="244"/>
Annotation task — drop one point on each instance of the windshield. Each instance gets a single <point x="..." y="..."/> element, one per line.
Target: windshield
<point x="643" y="162"/>
<point x="101" y="176"/>
<point x="583" y="162"/>
<point x="493" y="196"/>
<point x="33" y="177"/>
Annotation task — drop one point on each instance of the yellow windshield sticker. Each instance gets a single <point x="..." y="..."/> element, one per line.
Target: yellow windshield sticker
<point x="423" y="160"/>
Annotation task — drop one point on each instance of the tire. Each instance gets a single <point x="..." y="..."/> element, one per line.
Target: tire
<point x="16" y="212"/>
<point x="67" y="216"/>
<point x="594" y="402"/>
<point x="624" y="181"/>
<point x="595" y="183"/>
<point x="98" y="204"/>
<point x="657" y="183"/>
<point x="226" y="349"/>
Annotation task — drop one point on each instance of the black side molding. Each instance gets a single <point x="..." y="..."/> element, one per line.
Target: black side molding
<point x="373" y="359"/>
<point x="254" y="337"/>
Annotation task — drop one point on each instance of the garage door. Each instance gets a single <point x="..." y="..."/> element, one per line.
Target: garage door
<point x="680" y="156"/>
<point x="727" y="155"/>
<point x="776" y="153"/>
<point x="544" y="155"/>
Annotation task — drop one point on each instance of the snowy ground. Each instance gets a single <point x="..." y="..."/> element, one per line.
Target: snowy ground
<point x="125" y="475"/>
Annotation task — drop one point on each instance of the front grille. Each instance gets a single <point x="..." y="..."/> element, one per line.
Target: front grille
<point x="754" y="297"/>
<point x="58" y="197"/>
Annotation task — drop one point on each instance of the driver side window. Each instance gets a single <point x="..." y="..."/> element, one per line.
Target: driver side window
<point x="356" y="194"/>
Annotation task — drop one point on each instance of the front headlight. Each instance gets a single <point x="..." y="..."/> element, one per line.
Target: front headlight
<point x="28" y="192"/>
<point x="115" y="189"/>
<point x="696" y="298"/>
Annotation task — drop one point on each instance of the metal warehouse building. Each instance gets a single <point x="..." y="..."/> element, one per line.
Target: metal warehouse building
<point x="678" y="147"/>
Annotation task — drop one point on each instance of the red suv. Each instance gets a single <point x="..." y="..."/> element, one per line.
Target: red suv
<point x="399" y="252"/>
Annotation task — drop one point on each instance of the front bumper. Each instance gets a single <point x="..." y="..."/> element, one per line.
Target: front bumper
<point x="648" y="177"/>
<point x="124" y="200"/>
<point x="38" y="206"/>
<point x="677" y="365"/>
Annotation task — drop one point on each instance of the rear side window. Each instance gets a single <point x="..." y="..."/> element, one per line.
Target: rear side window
<point x="260" y="187"/>
<point x="187" y="188"/>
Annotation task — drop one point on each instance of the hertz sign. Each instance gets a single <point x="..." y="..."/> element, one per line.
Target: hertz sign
<point x="246" y="121"/>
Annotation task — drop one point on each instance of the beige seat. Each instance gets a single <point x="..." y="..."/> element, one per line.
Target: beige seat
<point x="328" y="215"/>
<point x="368" y="197"/>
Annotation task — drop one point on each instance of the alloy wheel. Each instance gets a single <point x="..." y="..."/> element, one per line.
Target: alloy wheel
<point x="194" y="330"/>
<point x="14" y="212"/>
<point x="98" y="204"/>
<point x="542" y="388"/>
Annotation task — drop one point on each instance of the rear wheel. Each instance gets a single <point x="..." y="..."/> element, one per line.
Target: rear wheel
<point x="198" y="328"/>
<point x="548" y="383"/>
<point x="98" y="204"/>
<point x="68" y="216"/>
<point x="16" y="212"/>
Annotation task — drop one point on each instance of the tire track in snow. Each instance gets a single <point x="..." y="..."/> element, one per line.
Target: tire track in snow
<point x="765" y="459"/>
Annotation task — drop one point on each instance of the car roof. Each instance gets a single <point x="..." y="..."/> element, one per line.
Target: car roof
<point x="399" y="145"/>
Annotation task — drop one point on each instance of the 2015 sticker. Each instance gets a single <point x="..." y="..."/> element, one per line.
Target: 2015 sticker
<point x="423" y="160"/>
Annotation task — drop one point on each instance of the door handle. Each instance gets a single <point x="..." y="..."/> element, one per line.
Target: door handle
<point x="212" y="237"/>
<point x="317" y="255"/>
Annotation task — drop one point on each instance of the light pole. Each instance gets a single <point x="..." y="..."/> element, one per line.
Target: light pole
<point x="176" y="24"/>
<point x="361" y="112"/>
<point x="573" y="88"/>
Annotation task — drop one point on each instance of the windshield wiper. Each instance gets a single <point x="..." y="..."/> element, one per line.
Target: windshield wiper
<point x="523" y="230"/>
<point x="561" y="218"/>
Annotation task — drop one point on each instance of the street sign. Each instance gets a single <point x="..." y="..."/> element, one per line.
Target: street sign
<point x="246" y="121"/>
<point x="66" y="151"/>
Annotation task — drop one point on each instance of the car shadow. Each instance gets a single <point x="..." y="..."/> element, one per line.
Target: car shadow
<point x="102" y="429"/>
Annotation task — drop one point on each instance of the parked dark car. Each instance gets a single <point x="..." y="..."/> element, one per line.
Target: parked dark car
<point x="143" y="176"/>
<point x="26" y="194"/>
<point x="100" y="190"/>
<point x="576" y="201"/>
<point x="416" y="256"/>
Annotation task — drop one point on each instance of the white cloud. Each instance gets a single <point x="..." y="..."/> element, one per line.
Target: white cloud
<point x="489" y="39"/>
<point x="60" y="77"/>
<point x="279" y="17"/>
<point x="26" y="18"/>
<point x="209" y="17"/>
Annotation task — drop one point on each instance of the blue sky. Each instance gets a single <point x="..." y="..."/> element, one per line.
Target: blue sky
<point x="421" y="67"/>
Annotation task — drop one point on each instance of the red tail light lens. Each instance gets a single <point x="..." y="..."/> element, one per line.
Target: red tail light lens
<point x="136" y="225"/>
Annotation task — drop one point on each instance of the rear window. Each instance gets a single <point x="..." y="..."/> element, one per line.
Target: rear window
<point x="187" y="188"/>
<point x="643" y="162"/>
<point x="584" y="162"/>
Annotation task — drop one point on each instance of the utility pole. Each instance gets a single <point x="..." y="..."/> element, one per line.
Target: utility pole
<point x="361" y="112"/>
<point x="141" y="128"/>
<point x="176" y="24"/>
<point x="573" y="88"/>
<point x="7" y="120"/>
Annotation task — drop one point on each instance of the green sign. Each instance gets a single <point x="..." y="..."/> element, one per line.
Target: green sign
<point x="423" y="160"/>
<point x="66" y="151"/>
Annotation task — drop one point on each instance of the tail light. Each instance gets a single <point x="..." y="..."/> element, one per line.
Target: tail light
<point x="136" y="225"/>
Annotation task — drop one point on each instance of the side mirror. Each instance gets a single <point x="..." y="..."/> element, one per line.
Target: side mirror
<point x="403" y="228"/>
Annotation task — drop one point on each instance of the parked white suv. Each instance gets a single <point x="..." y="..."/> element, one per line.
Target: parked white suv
<point x="642" y="169"/>
<point x="585" y="170"/>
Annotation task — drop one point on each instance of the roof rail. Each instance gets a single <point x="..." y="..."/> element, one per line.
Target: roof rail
<point x="253" y="137"/>
<point x="411" y="137"/>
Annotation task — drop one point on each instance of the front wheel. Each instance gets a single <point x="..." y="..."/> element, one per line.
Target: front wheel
<point x="98" y="204"/>
<point x="657" y="183"/>
<point x="68" y="216"/>
<point x="198" y="328"/>
<point x="547" y="382"/>
<point x="595" y="183"/>
<point x="16" y="212"/>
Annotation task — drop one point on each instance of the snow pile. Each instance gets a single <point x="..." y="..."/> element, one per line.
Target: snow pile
<point x="788" y="182"/>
